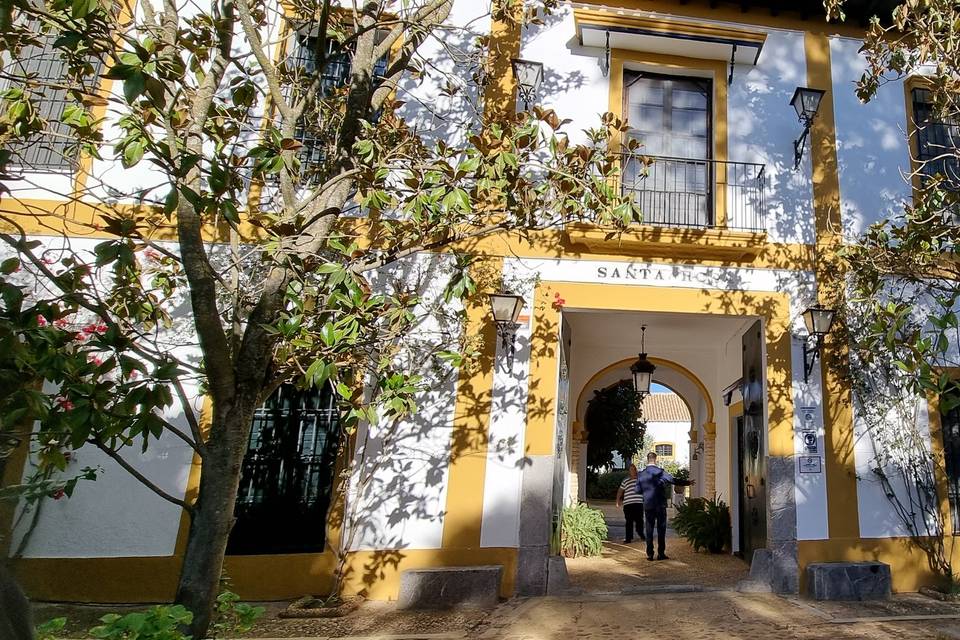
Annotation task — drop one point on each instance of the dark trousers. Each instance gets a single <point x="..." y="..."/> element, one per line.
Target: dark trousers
<point x="656" y="516"/>
<point x="633" y="513"/>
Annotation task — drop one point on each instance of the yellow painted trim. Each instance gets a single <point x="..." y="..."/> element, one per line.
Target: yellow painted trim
<point x="374" y="574"/>
<point x="468" y="446"/>
<point x="738" y="246"/>
<point x="716" y="70"/>
<point x="911" y="83"/>
<point x="729" y="13"/>
<point x="842" y="508"/>
<point x="673" y="448"/>
<point x="908" y="564"/>
<point x="710" y="430"/>
<point x="660" y="362"/>
<point x="666" y="25"/>
<point x="500" y="94"/>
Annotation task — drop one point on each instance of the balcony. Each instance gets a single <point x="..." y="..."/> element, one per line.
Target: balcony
<point x="696" y="194"/>
<point x="692" y="209"/>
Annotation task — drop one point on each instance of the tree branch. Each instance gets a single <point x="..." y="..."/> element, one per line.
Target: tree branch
<point x="139" y="476"/>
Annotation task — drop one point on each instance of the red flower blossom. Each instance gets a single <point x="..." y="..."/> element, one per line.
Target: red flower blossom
<point x="98" y="328"/>
<point x="152" y="254"/>
<point x="41" y="321"/>
<point x="60" y="323"/>
<point x="65" y="403"/>
<point x="558" y="302"/>
<point x="97" y="360"/>
<point x="56" y="494"/>
<point x="133" y="374"/>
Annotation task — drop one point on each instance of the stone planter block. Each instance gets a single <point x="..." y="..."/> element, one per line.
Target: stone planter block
<point x="448" y="587"/>
<point x="848" y="581"/>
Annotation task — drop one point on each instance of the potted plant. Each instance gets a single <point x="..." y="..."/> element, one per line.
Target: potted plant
<point x="682" y="474"/>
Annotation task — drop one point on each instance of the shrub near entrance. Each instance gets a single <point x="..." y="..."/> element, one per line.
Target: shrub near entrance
<point x="582" y="531"/>
<point x="704" y="523"/>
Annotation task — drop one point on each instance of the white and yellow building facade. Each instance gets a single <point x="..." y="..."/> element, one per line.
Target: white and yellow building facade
<point x="738" y="244"/>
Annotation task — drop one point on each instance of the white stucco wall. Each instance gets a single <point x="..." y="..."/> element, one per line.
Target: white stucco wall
<point x="675" y="433"/>
<point x="762" y="126"/>
<point x="872" y="151"/>
<point x="117" y="516"/>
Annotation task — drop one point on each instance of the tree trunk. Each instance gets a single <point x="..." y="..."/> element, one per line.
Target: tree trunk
<point x="212" y="518"/>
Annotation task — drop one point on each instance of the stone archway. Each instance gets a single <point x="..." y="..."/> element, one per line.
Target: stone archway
<point x="681" y="381"/>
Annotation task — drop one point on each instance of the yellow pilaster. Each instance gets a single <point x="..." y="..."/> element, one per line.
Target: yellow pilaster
<point x="468" y="452"/>
<point x="842" y="508"/>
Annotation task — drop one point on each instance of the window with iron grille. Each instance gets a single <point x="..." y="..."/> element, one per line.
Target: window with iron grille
<point x="950" y="423"/>
<point x="314" y="136"/>
<point x="664" y="450"/>
<point x="287" y="476"/>
<point x="937" y="141"/>
<point x="53" y="149"/>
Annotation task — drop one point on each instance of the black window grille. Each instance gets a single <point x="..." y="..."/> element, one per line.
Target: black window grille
<point x="287" y="475"/>
<point x="304" y="59"/>
<point x="937" y="141"/>
<point x="950" y="423"/>
<point x="52" y="149"/>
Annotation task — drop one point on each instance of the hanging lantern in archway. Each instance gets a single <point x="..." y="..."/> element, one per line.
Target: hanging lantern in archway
<point x="642" y="369"/>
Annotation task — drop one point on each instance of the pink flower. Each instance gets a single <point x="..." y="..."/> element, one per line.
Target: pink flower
<point x="98" y="328"/>
<point x="56" y="494"/>
<point x="41" y="321"/>
<point x="133" y="375"/>
<point x="60" y="323"/>
<point x="80" y="337"/>
<point x="49" y="261"/>
<point x="97" y="360"/>
<point x="65" y="403"/>
<point x="151" y="254"/>
<point x="558" y="302"/>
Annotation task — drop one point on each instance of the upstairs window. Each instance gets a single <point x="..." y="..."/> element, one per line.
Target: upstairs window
<point x="671" y="117"/>
<point x="937" y="142"/>
<point x="664" y="450"/>
<point x="315" y="135"/>
<point x="51" y="150"/>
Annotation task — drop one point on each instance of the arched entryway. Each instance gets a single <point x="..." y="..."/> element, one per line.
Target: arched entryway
<point x="679" y="379"/>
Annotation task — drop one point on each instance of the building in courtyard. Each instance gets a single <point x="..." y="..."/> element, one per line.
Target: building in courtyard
<point x="735" y="246"/>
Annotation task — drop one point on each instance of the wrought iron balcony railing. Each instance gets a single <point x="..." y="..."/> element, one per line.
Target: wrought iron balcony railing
<point x="701" y="194"/>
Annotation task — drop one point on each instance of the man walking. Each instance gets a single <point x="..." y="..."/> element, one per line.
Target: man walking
<point x="652" y="484"/>
<point x="632" y="504"/>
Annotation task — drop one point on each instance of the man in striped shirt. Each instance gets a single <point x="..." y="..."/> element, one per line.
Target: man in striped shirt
<point x="632" y="503"/>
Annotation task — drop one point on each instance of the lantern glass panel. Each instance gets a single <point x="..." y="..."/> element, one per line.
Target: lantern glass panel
<point x="529" y="74"/>
<point x="818" y="320"/>
<point x="506" y="307"/>
<point x="641" y="381"/>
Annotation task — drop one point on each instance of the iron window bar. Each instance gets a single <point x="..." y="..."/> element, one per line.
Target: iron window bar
<point x="684" y="192"/>
<point x="937" y="142"/>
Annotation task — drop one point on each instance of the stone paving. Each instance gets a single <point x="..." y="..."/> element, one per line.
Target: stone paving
<point x="624" y="568"/>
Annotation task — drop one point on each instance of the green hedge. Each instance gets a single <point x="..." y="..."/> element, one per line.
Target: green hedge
<point x="603" y="486"/>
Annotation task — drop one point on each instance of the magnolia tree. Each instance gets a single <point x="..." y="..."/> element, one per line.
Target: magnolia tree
<point x="276" y="157"/>
<point x="904" y="279"/>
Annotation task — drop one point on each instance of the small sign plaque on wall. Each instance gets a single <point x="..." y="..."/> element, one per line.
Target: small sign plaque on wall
<point x="810" y="464"/>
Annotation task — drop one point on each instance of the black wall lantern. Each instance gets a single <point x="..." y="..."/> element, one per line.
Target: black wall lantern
<point x="818" y="320"/>
<point x="642" y="369"/>
<point x="807" y="102"/>
<point x="529" y="76"/>
<point x="506" y="308"/>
